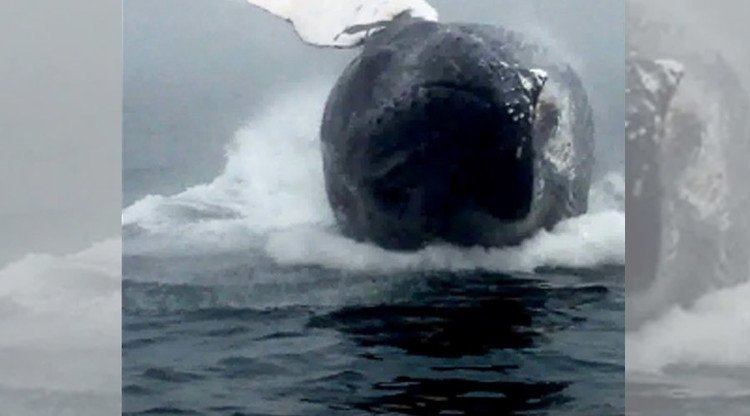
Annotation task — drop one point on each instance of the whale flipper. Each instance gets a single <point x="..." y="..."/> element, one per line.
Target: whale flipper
<point x="343" y="23"/>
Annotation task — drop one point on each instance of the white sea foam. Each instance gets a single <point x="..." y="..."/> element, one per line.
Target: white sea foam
<point x="60" y="321"/>
<point x="715" y="331"/>
<point x="582" y="242"/>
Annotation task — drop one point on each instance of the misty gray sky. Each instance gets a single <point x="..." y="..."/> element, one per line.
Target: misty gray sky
<point x="720" y="26"/>
<point x="60" y="160"/>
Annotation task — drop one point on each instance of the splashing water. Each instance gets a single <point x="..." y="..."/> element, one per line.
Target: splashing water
<point x="271" y="198"/>
<point x="60" y="320"/>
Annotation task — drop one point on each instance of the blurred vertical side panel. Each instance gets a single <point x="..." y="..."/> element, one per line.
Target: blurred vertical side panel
<point x="60" y="197"/>
<point x="688" y="199"/>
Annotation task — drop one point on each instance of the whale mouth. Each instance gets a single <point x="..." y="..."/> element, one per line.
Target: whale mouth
<point x="445" y="149"/>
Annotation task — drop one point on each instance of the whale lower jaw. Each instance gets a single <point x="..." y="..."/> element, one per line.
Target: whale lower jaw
<point x="468" y="227"/>
<point x="471" y="227"/>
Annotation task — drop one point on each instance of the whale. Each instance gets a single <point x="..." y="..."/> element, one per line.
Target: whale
<point x="436" y="133"/>
<point x="455" y="133"/>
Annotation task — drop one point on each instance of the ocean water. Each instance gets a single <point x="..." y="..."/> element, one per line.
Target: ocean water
<point x="419" y="343"/>
<point x="239" y="297"/>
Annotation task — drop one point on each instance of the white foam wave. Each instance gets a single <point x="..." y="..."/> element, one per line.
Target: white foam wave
<point x="60" y="321"/>
<point x="271" y="197"/>
<point x="582" y="242"/>
<point x="715" y="331"/>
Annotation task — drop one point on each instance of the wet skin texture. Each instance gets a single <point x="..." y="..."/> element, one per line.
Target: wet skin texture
<point x="435" y="133"/>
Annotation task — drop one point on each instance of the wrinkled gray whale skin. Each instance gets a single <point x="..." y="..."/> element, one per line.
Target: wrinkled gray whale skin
<point x="437" y="133"/>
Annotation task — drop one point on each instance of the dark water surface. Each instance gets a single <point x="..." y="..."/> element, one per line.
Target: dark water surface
<point x="262" y="340"/>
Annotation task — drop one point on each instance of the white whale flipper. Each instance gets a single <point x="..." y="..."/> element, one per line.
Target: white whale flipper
<point x="343" y="23"/>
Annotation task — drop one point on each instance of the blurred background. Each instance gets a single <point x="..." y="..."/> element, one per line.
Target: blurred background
<point x="688" y="236"/>
<point x="60" y="181"/>
<point x="60" y="158"/>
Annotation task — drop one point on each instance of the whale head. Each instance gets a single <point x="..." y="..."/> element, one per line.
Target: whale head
<point x="436" y="132"/>
<point x="433" y="121"/>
